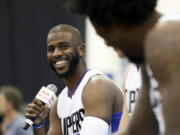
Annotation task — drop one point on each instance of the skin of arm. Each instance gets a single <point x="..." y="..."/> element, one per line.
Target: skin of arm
<point x="55" y="122"/>
<point x="164" y="43"/>
<point x="100" y="98"/>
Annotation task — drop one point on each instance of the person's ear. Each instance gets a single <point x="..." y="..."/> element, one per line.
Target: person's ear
<point x="81" y="50"/>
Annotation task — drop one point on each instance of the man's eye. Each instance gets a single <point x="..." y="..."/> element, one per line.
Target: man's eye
<point x="50" y="50"/>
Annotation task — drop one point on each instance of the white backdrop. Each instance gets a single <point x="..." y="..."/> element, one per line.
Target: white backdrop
<point x="104" y="58"/>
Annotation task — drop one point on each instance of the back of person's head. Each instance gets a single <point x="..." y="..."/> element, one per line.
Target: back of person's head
<point x="13" y="95"/>
<point x="104" y="12"/>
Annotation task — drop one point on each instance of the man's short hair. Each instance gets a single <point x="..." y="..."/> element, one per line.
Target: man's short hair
<point x="68" y="28"/>
<point x="12" y="95"/>
<point x="104" y="12"/>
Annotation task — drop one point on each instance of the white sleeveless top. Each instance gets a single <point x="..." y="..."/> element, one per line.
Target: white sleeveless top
<point x="155" y="97"/>
<point x="70" y="109"/>
<point x="155" y="100"/>
<point x="133" y="84"/>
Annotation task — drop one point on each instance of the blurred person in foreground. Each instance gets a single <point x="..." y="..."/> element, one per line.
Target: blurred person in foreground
<point x="152" y="41"/>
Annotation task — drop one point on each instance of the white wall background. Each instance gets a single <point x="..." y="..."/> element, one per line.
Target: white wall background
<point x="169" y="6"/>
<point x="104" y="58"/>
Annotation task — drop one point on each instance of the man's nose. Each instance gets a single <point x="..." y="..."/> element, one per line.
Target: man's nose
<point x="57" y="53"/>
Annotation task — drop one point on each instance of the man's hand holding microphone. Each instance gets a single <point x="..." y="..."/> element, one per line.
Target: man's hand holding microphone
<point x="37" y="111"/>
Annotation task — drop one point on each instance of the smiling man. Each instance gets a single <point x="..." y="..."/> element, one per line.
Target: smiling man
<point x="90" y="104"/>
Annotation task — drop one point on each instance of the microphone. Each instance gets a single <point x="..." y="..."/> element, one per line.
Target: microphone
<point x="47" y="96"/>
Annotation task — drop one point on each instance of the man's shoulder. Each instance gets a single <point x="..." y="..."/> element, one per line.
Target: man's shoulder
<point x="163" y="46"/>
<point x="19" y="119"/>
<point x="16" y="126"/>
<point x="100" y="85"/>
<point x="166" y="24"/>
<point x="163" y="37"/>
<point x="100" y="79"/>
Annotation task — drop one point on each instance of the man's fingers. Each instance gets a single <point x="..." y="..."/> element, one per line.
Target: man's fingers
<point x="33" y="106"/>
<point x="38" y="102"/>
<point x="30" y="115"/>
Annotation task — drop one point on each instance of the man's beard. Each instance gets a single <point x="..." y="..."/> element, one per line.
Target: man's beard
<point x="72" y="67"/>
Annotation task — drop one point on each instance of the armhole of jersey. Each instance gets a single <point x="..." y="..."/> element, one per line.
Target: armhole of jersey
<point x="125" y="78"/>
<point x="90" y="76"/>
<point x="125" y="116"/>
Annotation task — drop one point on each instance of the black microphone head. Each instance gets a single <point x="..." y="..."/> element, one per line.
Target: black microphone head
<point x="52" y="87"/>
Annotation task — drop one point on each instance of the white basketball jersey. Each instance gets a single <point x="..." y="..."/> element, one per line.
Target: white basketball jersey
<point x="133" y="84"/>
<point x="70" y="109"/>
<point x="155" y="100"/>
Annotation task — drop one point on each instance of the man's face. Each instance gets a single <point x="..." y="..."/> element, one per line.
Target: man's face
<point x="62" y="53"/>
<point x="121" y="38"/>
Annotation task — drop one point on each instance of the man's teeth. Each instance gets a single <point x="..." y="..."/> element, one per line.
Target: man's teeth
<point x="60" y="62"/>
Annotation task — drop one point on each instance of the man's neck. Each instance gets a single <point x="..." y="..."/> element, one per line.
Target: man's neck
<point x="73" y="80"/>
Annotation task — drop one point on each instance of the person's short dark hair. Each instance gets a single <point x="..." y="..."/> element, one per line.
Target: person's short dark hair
<point x="68" y="28"/>
<point x="104" y="12"/>
<point x="12" y="95"/>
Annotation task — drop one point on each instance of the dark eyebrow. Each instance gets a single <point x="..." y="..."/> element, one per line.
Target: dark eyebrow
<point x="63" y="43"/>
<point x="60" y="43"/>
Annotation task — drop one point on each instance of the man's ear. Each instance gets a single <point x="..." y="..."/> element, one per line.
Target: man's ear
<point x="81" y="49"/>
